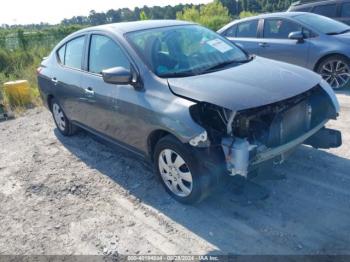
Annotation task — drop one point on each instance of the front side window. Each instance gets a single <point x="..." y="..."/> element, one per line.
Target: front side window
<point x="345" y="10"/>
<point x="105" y="53"/>
<point x="184" y="50"/>
<point x="326" y="10"/>
<point x="279" y="28"/>
<point x="74" y="52"/>
<point x="247" y="29"/>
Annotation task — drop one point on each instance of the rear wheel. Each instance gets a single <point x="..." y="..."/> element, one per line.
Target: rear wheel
<point x="336" y="71"/>
<point x="65" y="127"/>
<point x="179" y="171"/>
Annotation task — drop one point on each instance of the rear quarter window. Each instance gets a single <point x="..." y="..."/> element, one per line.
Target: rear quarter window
<point x="302" y="9"/>
<point x="60" y="54"/>
<point x="231" y="32"/>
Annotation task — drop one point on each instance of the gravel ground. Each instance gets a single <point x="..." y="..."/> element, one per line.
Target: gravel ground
<point x="79" y="196"/>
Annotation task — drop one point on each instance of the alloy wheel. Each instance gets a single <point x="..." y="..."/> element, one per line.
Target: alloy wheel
<point x="59" y="117"/>
<point x="336" y="73"/>
<point x="175" y="173"/>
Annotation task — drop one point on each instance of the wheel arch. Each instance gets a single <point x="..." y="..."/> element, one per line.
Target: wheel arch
<point x="320" y="60"/>
<point x="153" y="139"/>
<point x="49" y="101"/>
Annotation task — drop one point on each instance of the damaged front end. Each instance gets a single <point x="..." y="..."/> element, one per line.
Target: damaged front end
<point x="269" y="133"/>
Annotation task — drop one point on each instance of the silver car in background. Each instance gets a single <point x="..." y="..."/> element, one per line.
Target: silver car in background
<point x="308" y="40"/>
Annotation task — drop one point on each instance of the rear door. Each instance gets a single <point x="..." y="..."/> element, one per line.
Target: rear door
<point x="245" y="35"/>
<point x="275" y="43"/>
<point x="66" y="78"/>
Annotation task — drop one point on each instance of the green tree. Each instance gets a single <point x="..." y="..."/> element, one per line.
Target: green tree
<point x="233" y="6"/>
<point x="22" y="39"/>
<point x="245" y="14"/>
<point x="143" y="16"/>
<point x="213" y="15"/>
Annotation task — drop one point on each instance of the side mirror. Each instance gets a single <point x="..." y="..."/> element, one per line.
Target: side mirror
<point x="117" y="75"/>
<point x="298" y="35"/>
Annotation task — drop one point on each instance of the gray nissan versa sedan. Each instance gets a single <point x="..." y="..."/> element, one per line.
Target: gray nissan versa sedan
<point x="187" y="99"/>
<point x="308" y="40"/>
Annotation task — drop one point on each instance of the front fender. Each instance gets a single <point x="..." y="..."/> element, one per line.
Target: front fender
<point x="176" y="119"/>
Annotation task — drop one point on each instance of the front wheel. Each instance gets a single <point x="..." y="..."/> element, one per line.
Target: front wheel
<point x="179" y="171"/>
<point x="336" y="71"/>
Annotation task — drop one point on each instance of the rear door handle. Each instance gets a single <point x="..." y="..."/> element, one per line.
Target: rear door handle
<point x="89" y="91"/>
<point x="263" y="44"/>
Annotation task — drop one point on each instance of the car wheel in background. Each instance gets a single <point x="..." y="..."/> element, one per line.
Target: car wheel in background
<point x="336" y="71"/>
<point x="65" y="127"/>
<point x="179" y="171"/>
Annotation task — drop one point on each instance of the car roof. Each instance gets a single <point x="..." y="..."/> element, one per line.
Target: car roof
<point x="276" y="14"/>
<point x="305" y="3"/>
<point x="262" y="16"/>
<point x="126" y="27"/>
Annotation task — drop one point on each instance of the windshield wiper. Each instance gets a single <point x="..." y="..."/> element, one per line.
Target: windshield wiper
<point x="209" y="69"/>
<point x="226" y="63"/>
<point x="345" y="31"/>
<point x="339" y="33"/>
<point x="178" y="74"/>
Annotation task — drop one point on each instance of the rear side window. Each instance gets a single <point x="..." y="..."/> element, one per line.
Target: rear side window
<point x="279" y="28"/>
<point x="345" y="10"/>
<point x="326" y="10"/>
<point x="231" y="32"/>
<point x="247" y="29"/>
<point x="74" y="52"/>
<point x="105" y="53"/>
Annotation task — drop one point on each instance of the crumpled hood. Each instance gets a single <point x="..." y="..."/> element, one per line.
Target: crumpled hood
<point x="256" y="83"/>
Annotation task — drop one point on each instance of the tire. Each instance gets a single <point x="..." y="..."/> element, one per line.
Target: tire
<point x="335" y="70"/>
<point x="64" y="126"/>
<point x="169" y="147"/>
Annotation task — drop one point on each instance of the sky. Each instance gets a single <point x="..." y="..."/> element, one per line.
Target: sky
<point x="53" y="11"/>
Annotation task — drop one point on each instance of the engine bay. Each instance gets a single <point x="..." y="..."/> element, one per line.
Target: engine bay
<point x="245" y="134"/>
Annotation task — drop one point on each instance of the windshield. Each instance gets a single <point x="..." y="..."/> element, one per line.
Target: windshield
<point x="322" y="24"/>
<point x="184" y="50"/>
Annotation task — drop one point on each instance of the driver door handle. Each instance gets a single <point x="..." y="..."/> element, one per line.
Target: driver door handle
<point x="263" y="44"/>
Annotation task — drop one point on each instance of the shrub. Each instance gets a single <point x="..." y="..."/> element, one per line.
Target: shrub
<point x="213" y="15"/>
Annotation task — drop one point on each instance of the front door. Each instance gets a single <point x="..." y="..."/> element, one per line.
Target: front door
<point x="104" y="113"/>
<point x="275" y="43"/>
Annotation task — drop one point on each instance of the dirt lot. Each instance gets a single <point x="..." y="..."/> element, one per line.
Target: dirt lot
<point x="78" y="196"/>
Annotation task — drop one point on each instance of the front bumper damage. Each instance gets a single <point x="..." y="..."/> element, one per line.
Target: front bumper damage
<point x="255" y="138"/>
<point x="243" y="156"/>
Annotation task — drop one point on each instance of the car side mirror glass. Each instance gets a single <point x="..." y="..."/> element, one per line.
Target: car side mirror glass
<point x="298" y="35"/>
<point x="117" y="75"/>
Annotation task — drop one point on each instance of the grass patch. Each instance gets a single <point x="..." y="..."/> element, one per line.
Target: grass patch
<point x="21" y="65"/>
